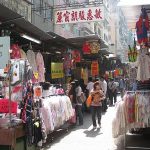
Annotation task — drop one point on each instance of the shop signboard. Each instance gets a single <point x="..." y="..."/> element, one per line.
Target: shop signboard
<point x="57" y="70"/>
<point x="79" y="15"/>
<point x="84" y="75"/>
<point x="76" y="56"/>
<point x="91" y="47"/>
<point x="94" y="68"/>
<point x="4" y="106"/>
<point x="4" y="51"/>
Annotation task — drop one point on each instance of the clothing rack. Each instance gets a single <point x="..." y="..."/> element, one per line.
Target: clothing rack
<point x="125" y="135"/>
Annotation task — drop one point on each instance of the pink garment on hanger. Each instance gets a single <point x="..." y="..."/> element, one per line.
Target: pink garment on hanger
<point x="40" y="67"/>
<point x="16" y="54"/>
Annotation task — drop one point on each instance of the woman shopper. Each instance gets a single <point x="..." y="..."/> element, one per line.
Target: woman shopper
<point x="74" y="94"/>
<point x="96" y="106"/>
<point x="90" y="85"/>
<point x="84" y="90"/>
<point x="79" y="103"/>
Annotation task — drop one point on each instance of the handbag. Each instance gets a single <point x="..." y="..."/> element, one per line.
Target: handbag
<point x="83" y="97"/>
<point x="72" y="120"/>
<point x="89" y="101"/>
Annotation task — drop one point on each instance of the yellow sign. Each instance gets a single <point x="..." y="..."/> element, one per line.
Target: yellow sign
<point x="57" y="70"/>
<point x="36" y="75"/>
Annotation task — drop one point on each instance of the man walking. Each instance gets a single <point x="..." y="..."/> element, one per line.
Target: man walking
<point x="122" y="86"/>
<point x="103" y="84"/>
<point x="112" y="91"/>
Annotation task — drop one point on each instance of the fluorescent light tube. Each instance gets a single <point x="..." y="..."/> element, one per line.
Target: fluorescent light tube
<point x="58" y="52"/>
<point x="30" y="38"/>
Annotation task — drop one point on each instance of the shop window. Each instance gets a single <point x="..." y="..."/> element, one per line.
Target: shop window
<point x="43" y="8"/>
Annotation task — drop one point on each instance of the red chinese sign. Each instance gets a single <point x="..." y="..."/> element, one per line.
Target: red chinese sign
<point x="79" y="15"/>
<point x="94" y="68"/>
<point x="4" y="106"/>
<point x="76" y="56"/>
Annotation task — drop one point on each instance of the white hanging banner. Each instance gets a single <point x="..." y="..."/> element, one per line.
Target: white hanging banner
<point x="79" y="15"/>
<point x="4" y="51"/>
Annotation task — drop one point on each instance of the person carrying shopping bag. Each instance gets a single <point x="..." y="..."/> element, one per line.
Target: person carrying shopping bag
<point x="97" y="96"/>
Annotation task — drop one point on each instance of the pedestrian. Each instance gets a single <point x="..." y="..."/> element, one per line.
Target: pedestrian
<point x="103" y="83"/>
<point x="79" y="102"/>
<point x="84" y="90"/>
<point x="127" y="82"/>
<point x="122" y="86"/>
<point x="72" y="93"/>
<point x="113" y="86"/>
<point x="90" y="85"/>
<point x="134" y="85"/>
<point x="96" y="105"/>
<point x="83" y="86"/>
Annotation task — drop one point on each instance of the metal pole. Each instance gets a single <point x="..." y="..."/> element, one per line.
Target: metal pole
<point x="9" y="76"/>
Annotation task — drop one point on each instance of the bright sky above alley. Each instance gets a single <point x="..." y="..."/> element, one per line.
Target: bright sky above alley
<point x="133" y="2"/>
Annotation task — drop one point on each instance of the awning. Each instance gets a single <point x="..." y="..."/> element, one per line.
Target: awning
<point x="8" y="16"/>
<point x="78" y="41"/>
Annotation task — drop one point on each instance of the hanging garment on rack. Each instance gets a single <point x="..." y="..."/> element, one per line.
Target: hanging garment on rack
<point x="143" y="63"/>
<point x="27" y="103"/>
<point x="15" y="52"/>
<point x="32" y="61"/>
<point x="118" y="123"/>
<point x="16" y="77"/>
<point x="56" y="111"/>
<point x="132" y="112"/>
<point x="40" y="67"/>
<point x="16" y="94"/>
<point x="132" y="72"/>
<point x="142" y="26"/>
<point x="23" y="54"/>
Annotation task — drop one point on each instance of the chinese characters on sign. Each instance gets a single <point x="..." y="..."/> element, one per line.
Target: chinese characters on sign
<point x="79" y="15"/>
<point x="94" y="68"/>
<point x="91" y="47"/>
<point x="4" y="106"/>
<point x="57" y="70"/>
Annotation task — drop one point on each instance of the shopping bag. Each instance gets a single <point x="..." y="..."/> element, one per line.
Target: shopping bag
<point x="89" y="101"/>
<point x="83" y="97"/>
<point x="73" y="118"/>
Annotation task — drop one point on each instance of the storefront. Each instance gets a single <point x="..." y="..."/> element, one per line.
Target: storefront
<point x="26" y="98"/>
<point x="132" y="113"/>
<point x="91" y="50"/>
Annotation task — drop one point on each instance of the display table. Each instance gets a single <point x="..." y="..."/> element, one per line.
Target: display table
<point x="8" y="137"/>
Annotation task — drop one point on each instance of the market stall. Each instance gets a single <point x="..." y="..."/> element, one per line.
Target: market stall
<point x="132" y="113"/>
<point x="28" y="111"/>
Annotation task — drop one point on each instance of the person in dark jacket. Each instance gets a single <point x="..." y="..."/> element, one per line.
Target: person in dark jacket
<point x="84" y="90"/>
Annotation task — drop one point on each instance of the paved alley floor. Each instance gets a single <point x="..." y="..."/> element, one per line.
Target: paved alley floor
<point x="85" y="138"/>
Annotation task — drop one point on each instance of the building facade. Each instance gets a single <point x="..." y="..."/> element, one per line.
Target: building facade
<point x="112" y="29"/>
<point x="119" y="32"/>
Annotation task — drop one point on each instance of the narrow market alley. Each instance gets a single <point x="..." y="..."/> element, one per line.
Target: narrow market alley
<point x="84" y="137"/>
